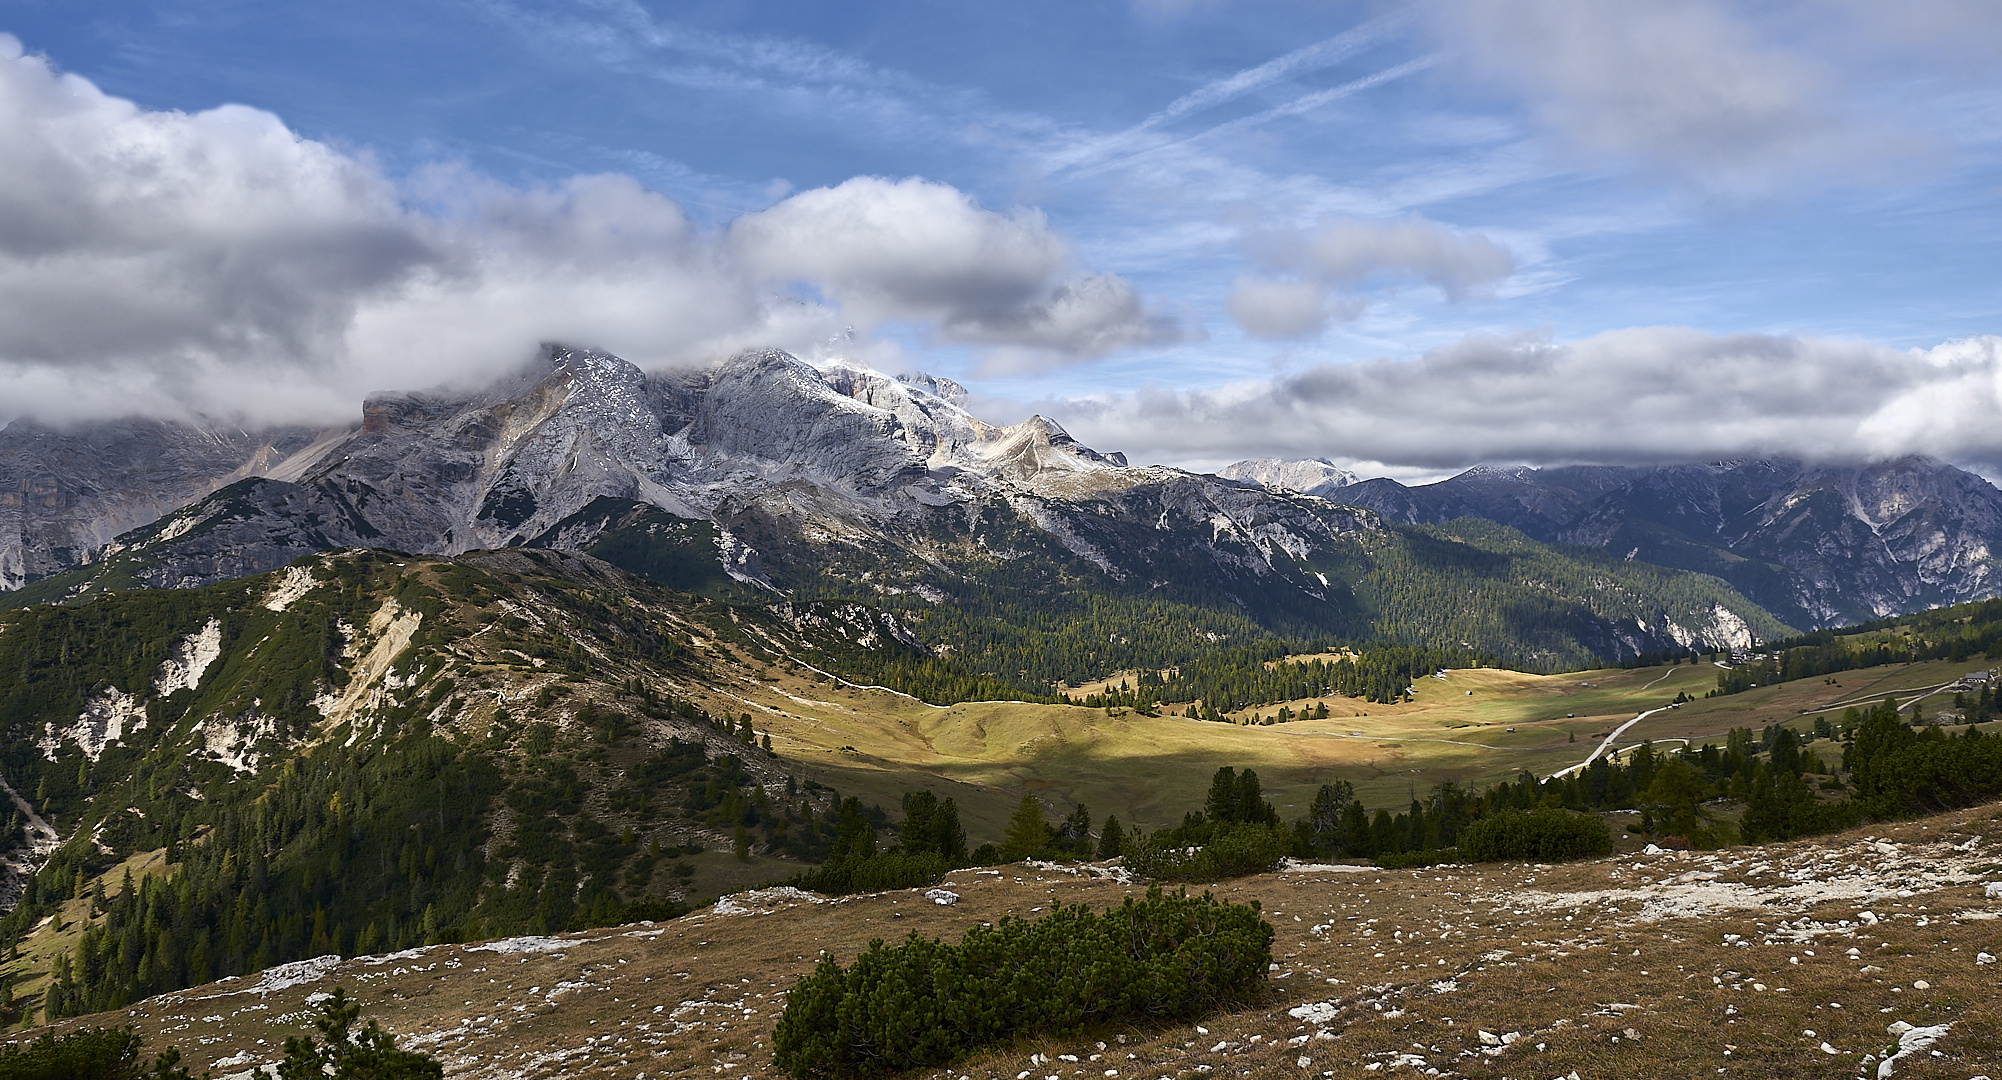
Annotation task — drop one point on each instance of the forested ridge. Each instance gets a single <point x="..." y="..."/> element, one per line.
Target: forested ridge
<point x="1471" y="587"/>
<point x="292" y="834"/>
<point x="1012" y="608"/>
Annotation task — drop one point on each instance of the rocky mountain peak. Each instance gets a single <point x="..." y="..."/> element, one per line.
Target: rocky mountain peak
<point x="942" y="388"/>
<point x="66" y="492"/>
<point x="1037" y="446"/>
<point x="1516" y="474"/>
<point x="1314" y="477"/>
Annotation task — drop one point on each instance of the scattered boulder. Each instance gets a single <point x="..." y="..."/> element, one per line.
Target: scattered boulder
<point x="942" y="897"/>
<point x="1322" y="1012"/>
<point x="1911" y="1041"/>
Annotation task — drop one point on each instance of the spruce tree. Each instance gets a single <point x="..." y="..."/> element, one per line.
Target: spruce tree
<point x="1073" y="836"/>
<point x="1111" y="841"/>
<point x="1028" y="835"/>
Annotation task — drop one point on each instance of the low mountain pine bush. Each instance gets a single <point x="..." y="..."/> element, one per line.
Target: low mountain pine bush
<point x="96" y="1053"/>
<point x="926" y="1002"/>
<point x="1232" y="849"/>
<point x="1546" y="834"/>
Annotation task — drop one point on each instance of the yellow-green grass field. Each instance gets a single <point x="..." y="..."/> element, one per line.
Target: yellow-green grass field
<point x="1473" y="727"/>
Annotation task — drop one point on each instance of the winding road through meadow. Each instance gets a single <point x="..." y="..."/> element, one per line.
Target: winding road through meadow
<point x="1608" y="743"/>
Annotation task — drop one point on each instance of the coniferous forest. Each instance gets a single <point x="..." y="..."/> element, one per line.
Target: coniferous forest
<point x="300" y="819"/>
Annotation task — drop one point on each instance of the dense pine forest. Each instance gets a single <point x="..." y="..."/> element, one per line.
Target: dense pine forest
<point x="1035" y="621"/>
<point x="1955" y="633"/>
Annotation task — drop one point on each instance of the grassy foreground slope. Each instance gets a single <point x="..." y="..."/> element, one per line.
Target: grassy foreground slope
<point x="1753" y="961"/>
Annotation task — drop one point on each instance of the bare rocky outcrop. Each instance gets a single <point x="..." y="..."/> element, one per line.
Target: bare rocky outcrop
<point x="1317" y="477"/>
<point x="65" y="492"/>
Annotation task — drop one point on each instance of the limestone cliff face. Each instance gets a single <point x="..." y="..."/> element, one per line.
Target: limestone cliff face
<point x="1321" y="478"/>
<point x="806" y="471"/>
<point x="64" y="493"/>
<point x="813" y="471"/>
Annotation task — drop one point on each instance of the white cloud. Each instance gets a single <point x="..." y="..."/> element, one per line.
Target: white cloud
<point x="1278" y="310"/>
<point x="1685" y="86"/>
<point x="1350" y="252"/>
<point x="127" y="234"/>
<point x="922" y="251"/>
<point x="1460" y="264"/>
<point x="1645" y="394"/>
<point x="217" y="263"/>
<point x="902" y="249"/>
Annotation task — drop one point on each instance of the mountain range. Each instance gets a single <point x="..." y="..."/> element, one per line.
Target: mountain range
<point x="1818" y="545"/>
<point x="767" y="475"/>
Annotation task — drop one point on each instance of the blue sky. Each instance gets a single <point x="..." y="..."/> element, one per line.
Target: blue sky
<point x="1194" y="231"/>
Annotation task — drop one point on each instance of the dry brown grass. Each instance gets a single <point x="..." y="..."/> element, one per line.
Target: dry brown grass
<point x="1617" y="968"/>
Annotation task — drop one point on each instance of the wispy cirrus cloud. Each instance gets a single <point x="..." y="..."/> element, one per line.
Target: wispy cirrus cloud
<point x="1689" y="89"/>
<point x="1316" y="57"/>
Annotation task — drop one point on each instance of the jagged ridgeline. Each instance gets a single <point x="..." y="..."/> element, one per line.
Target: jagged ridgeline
<point x="1020" y="611"/>
<point x="369" y="751"/>
<point x="1033" y="559"/>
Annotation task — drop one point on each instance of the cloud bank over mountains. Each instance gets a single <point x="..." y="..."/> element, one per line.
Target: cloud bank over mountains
<point x="1652" y="394"/>
<point x="218" y="263"/>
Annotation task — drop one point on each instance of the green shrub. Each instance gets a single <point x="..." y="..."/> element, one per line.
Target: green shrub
<point x="1408" y="860"/>
<point x="96" y="1053"/>
<point x="368" y="1054"/>
<point x="924" y="1002"/>
<point x="1546" y="834"/>
<point x="1233" y="849"/>
<point x="873" y="873"/>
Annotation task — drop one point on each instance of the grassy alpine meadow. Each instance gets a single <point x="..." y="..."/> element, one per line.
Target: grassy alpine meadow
<point x="1473" y="727"/>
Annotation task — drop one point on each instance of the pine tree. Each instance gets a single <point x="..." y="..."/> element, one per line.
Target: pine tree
<point x="1073" y="837"/>
<point x="931" y="825"/>
<point x="1028" y="835"/>
<point x="1327" y="817"/>
<point x="369" y="1054"/>
<point x="1112" y="840"/>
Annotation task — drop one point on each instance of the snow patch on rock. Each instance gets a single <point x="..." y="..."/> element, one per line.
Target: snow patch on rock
<point x="522" y="946"/>
<point x="763" y="901"/>
<point x="286" y="976"/>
